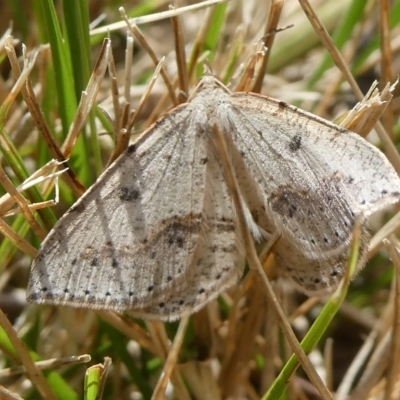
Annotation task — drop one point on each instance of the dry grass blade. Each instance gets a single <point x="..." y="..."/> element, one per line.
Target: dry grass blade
<point x="254" y="263"/>
<point x="160" y="339"/>
<point x="390" y="149"/>
<point x="181" y="60"/>
<point x="8" y="395"/>
<point x="158" y="16"/>
<point x="37" y="115"/>
<point x="198" y="42"/>
<point x="122" y="113"/>
<point x="244" y="328"/>
<point x="386" y="61"/>
<point x="394" y="362"/>
<point x="143" y="42"/>
<point x="47" y="364"/>
<point x="22" y="203"/>
<point x="88" y="98"/>
<point x="170" y="362"/>
<point x="374" y="370"/>
<point x="328" y="359"/>
<point x="130" y="329"/>
<point x="387" y="229"/>
<point x="274" y="14"/>
<point x="201" y="379"/>
<point x="357" y="365"/>
<point x="17" y="240"/>
<point x="44" y="174"/>
<point x="32" y="370"/>
<point x="365" y="114"/>
<point x="249" y="71"/>
<point x="143" y="100"/>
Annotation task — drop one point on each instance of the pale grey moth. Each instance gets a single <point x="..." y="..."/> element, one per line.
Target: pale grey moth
<point x="157" y="232"/>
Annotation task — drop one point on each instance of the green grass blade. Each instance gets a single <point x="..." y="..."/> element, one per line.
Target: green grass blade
<point x="62" y="66"/>
<point x="62" y="390"/>
<point x="342" y="34"/>
<point x="92" y="382"/>
<point x="76" y="23"/>
<point x="318" y="328"/>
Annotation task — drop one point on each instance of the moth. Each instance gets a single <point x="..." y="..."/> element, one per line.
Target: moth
<point x="157" y="232"/>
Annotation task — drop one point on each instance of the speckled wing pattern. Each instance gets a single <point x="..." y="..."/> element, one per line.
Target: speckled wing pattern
<point x="316" y="179"/>
<point x="154" y="234"/>
<point x="157" y="232"/>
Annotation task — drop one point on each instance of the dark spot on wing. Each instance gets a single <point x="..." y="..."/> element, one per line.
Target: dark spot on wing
<point x="229" y="249"/>
<point x="114" y="263"/>
<point x="285" y="201"/>
<point x="213" y="248"/>
<point x="204" y="160"/>
<point x="127" y="193"/>
<point x="78" y="207"/>
<point x="94" y="262"/>
<point x="150" y="288"/>
<point x="177" y="229"/>
<point x="295" y="143"/>
<point x="282" y="104"/>
<point x="131" y="149"/>
<point x="178" y="240"/>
